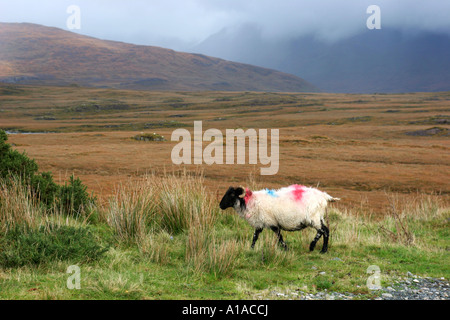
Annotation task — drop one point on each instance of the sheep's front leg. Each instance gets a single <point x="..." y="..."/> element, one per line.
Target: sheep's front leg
<point x="255" y="236"/>
<point x="280" y="237"/>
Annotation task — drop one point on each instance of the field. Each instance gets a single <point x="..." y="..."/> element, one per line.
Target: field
<point x="386" y="156"/>
<point x="356" y="147"/>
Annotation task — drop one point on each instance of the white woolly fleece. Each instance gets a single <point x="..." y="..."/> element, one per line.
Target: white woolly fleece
<point x="290" y="208"/>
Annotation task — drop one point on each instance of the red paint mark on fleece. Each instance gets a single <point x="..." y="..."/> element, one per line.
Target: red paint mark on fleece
<point x="297" y="192"/>
<point x="248" y="195"/>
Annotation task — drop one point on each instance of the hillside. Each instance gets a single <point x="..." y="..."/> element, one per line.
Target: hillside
<point x="386" y="60"/>
<point x="35" y="54"/>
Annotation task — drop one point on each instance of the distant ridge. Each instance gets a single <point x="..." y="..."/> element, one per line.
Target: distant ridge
<point x="385" y="61"/>
<point x="36" y="54"/>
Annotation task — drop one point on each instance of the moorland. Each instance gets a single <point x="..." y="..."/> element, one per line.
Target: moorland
<point x="159" y="231"/>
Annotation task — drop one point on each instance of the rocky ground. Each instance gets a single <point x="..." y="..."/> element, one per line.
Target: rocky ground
<point x="410" y="287"/>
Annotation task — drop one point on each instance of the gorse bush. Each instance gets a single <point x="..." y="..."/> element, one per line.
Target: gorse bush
<point x="44" y="188"/>
<point x="38" y="246"/>
<point x="14" y="163"/>
<point x="72" y="197"/>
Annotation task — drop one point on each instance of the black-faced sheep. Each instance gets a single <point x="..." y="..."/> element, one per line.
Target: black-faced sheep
<point x="291" y="208"/>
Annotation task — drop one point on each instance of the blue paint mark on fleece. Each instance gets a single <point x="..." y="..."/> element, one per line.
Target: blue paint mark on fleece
<point x="272" y="193"/>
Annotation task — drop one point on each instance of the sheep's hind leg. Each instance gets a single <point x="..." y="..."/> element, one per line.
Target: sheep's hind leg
<point x="280" y="237"/>
<point x="325" y="232"/>
<point x="316" y="238"/>
<point x="326" y="235"/>
<point x="255" y="236"/>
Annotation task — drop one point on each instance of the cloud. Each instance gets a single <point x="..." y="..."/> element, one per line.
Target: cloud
<point x="178" y="23"/>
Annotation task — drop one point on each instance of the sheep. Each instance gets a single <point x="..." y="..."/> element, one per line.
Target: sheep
<point x="290" y="208"/>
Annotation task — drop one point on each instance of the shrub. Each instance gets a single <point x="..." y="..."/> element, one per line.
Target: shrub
<point x="45" y="188"/>
<point x="72" y="197"/>
<point x="40" y="246"/>
<point x="14" y="163"/>
<point x="149" y="137"/>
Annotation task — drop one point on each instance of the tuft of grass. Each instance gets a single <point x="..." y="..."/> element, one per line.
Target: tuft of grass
<point x="184" y="200"/>
<point x="155" y="247"/>
<point x="397" y="227"/>
<point x="18" y="206"/>
<point x="272" y="255"/>
<point x="132" y="210"/>
<point x="204" y="253"/>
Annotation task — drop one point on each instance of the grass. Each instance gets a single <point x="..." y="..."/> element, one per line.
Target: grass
<point x="164" y="238"/>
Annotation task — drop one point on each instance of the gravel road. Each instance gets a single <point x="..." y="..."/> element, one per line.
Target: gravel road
<point x="411" y="287"/>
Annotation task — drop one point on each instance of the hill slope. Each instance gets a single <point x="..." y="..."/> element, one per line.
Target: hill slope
<point x="35" y="54"/>
<point x="386" y="60"/>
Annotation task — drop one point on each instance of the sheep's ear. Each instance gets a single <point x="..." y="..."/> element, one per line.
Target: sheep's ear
<point x="242" y="195"/>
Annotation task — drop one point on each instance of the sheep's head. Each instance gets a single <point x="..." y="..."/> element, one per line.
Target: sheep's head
<point x="231" y="197"/>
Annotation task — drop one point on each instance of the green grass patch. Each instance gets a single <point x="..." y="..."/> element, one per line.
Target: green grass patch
<point x="20" y="247"/>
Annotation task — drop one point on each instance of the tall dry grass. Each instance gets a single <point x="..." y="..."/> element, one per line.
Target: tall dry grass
<point x="18" y="206"/>
<point x="184" y="201"/>
<point x="206" y="253"/>
<point x="171" y="203"/>
<point x="151" y="210"/>
<point x="402" y="220"/>
<point x="131" y="210"/>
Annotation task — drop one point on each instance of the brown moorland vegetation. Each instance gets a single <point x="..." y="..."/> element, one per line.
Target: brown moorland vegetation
<point x="36" y="54"/>
<point x="356" y="147"/>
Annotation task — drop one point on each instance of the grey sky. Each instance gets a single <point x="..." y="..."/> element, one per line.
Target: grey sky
<point x="179" y="24"/>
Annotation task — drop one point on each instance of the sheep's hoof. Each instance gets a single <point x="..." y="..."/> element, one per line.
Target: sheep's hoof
<point x="323" y="251"/>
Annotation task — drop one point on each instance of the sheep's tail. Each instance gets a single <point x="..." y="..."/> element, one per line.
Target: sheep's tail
<point x="331" y="199"/>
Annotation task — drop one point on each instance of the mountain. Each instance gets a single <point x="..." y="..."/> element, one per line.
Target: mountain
<point x="35" y="54"/>
<point x="386" y="60"/>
